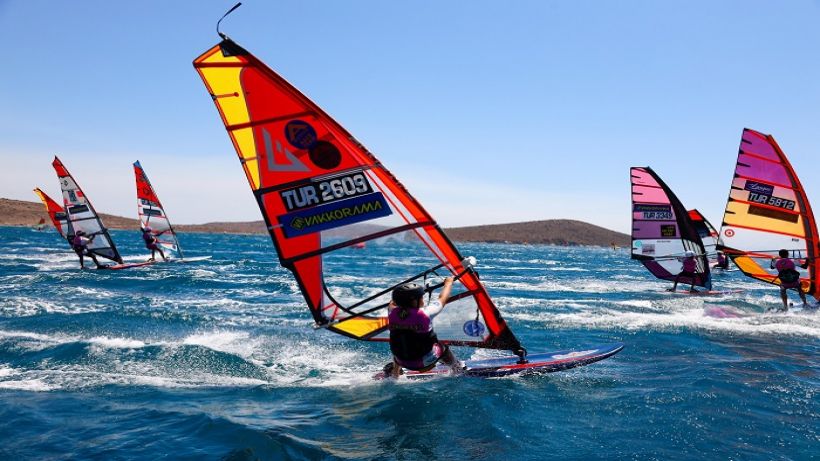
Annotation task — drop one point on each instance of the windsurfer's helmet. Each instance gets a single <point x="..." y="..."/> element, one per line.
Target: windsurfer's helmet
<point x="689" y="254"/>
<point x="79" y="233"/>
<point x="783" y="253"/>
<point x="147" y="229"/>
<point x="407" y="295"/>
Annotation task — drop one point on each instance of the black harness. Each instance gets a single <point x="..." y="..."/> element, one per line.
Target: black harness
<point x="408" y="345"/>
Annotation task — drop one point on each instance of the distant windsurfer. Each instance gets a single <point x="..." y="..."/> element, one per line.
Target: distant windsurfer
<point x="412" y="340"/>
<point x="152" y="242"/>
<point x="789" y="277"/>
<point x="688" y="271"/>
<point x="722" y="261"/>
<point x="80" y="244"/>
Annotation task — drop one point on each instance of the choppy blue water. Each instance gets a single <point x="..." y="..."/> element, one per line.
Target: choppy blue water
<point x="219" y="360"/>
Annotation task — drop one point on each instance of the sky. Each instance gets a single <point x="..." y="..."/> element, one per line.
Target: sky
<point x="489" y="112"/>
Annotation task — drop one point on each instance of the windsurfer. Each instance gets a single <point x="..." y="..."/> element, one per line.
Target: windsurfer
<point x="80" y="244"/>
<point x="722" y="261"/>
<point x="688" y="271"/>
<point x="152" y="243"/>
<point x="412" y="340"/>
<point x="789" y="276"/>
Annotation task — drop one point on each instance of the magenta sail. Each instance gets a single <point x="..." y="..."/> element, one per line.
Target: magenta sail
<point x="662" y="231"/>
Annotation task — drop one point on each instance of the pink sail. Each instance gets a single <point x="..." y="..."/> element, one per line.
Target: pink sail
<point x="662" y="230"/>
<point x="768" y="210"/>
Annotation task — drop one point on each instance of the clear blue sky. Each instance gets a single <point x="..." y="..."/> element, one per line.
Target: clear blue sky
<point x="488" y="111"/>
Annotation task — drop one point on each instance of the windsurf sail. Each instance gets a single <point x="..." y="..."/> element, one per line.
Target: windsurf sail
<point x="55" y="212"/>
<point x="321" y="191"/>
<point x="767" y="210"/>
<point x="152" y="214"/>
<point x="662" y="231"/>
<point x="82" y="216"/>
<point x="708" y="234"/>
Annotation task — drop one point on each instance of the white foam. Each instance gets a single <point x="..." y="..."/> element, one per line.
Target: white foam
<point x="791" y="324"/>
<point x="6" y="371"/>
<point x="20" y="306"/>
<point x="233" y="342"/>
<point x="32" y="385"/>
<point x="116" y="343"/>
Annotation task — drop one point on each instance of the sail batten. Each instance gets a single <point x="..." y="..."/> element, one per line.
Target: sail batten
<point x="767" y="210"/>
<point x="321" y="191"/>
<point x="81" y="216"/>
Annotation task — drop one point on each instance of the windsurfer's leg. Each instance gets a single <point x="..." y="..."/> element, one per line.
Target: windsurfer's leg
<point x="802" y="296"/>
<point x="675" y="285"/>
<point x="82" y="262"/>
<point x="395" y="372"/>
<point x="450" y="359"/>
<point x="785" y="298"/>
<point x="94" y="258"/>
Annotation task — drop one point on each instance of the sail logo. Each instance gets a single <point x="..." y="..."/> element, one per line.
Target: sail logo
<point x="291" y="164"/>
<point x="653" y="212"/>
<point x="335" y="214"/>
<point x="300" y="134"/>
<point x="771" y="200"/>
<point x="669" y="230"/>
<point x="329" y="190"/>
<point x="753" y="186"/>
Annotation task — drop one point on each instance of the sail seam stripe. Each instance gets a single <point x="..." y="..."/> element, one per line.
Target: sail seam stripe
<point x="253" y="123"/>
<point x="347" y="243"/>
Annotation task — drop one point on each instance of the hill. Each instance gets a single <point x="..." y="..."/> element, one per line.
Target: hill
<point x="23" y="213"/>
<point x="555" y="231"/>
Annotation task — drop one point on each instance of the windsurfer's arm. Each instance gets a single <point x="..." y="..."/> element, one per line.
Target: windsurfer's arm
<point x="435" y="307"/>
<point x="772" y="263"/>
<point x="806" y="263"/>
<point x="445" y="291"/>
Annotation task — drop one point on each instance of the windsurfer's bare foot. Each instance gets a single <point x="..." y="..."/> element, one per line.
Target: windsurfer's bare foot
<point x="671" y="290"/>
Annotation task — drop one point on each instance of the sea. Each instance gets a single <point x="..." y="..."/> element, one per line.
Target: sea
<point x="219" y="360"/>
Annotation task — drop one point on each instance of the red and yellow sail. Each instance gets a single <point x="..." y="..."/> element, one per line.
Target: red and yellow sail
<point x="312" y="180"/>
<point x="767" y="210"/>
<point x="55" y="212"/>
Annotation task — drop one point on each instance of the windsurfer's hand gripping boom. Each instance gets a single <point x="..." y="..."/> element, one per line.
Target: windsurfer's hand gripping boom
<point x="443" y="296"/>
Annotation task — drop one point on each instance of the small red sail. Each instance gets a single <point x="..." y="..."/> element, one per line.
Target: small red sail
<point x="707" y="232"/>
<point x="55" y="212"/>
<point x="152" y="214"/>
<point x="320" y="191"/>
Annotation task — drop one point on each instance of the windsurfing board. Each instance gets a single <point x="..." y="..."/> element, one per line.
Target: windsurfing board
<point x="148" y="263"/>
<point x="543" y="362"/>
<point x="704" y="292"/>
<point x="116" y="267"/>
<point x="190" y="260"/>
